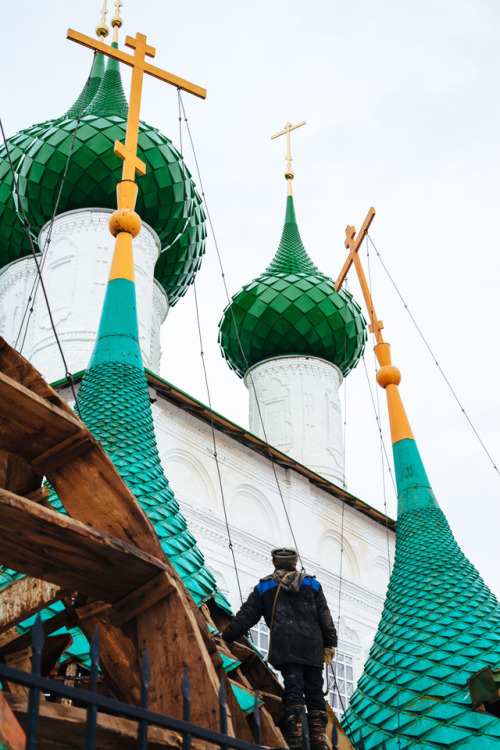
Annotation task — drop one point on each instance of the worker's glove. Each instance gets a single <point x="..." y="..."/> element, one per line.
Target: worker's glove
<point x="328" y="654"/>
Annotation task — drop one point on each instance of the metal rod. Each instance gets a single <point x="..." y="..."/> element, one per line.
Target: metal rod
<point x="142" y="732"/>
<point x="91" y="728"/>
<point x="256" y="716"/>
<point x="118" y="708"/>
<point x="186" y="707"/>
<point x="37" y="638"/>
<point x="223" y="713"/>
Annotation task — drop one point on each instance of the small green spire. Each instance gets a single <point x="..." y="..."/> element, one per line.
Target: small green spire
<point x="110" y="98"/>
<point x="87" y="94"/>
<point x="291" y="256"/>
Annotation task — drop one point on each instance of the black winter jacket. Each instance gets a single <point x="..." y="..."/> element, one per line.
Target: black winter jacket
<point x="302" y="625"/>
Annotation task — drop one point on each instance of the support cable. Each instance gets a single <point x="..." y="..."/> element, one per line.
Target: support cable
<point x="44" y="250"/>
<point x="495" y="467"/>
<point x="27" y="228"/>
<point x="223" y="275"/>
<point x="202" y="355"/>
<point x="382" y="453"/>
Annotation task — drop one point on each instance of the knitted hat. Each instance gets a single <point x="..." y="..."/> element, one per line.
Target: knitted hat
<point x="285" y="558"/>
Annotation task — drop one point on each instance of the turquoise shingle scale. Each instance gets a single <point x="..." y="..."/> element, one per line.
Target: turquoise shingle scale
<point x="440" y="624"/>
<point x="167" y="200"/>
<point x="292" y="308"/>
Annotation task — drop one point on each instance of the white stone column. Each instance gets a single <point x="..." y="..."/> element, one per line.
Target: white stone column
<point x="298" y="401"/>
<point x="75" y="272"/>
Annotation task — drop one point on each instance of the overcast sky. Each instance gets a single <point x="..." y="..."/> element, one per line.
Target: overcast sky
<point x="402" y="113"/>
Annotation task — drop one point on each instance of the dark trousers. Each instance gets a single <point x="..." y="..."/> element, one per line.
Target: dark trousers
<point x="303" y="685"/>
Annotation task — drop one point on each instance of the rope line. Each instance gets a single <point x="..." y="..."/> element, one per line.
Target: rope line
<point x="202" y="356"/>
<point x="26" y="225"/>
<point x="48" y="239"/>
<point x="383" y="452"/>
<point x="492" y="461"/>
<point x="223" y="275"/>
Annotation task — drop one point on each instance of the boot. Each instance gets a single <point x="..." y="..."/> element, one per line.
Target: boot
<point x="317" y="721"/>
<point x="294" y="721"/>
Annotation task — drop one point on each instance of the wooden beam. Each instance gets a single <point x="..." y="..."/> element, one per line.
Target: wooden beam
<point x="59" y="454"/>
<point x="12" y="737"/>
<point x="16" y="642"/>
<point x="17" y="475"/>
<point x="44" y="544"/>
<point x="59" y="724"/>
<point x="18" y="368"/>
<point x="23" y="598"/>
<point x="142" y="599"/>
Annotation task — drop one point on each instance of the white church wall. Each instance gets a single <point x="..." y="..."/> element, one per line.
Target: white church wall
<point x="352" y="564"/>
<point x="345" y="549"/>
<point x="295" y="406"/>
<point x="75" y="269"/>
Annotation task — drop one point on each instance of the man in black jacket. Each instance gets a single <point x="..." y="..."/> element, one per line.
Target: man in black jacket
<point x="301" y="637"/>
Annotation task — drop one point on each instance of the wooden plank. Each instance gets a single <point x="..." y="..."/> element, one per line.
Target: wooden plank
<point x="142" y="599"/>
<point x="173" y="630"/>
<point x="44" y="544"/>
<point x="17" y="367"/>
<point x="12" y="737"/>
<point x="16" y="642"/>
<point x="119" y="658"/>
<point x="16" y="474"/>
<point x="64" y="726"/>
<point x="59" y="454"/>
<point x="92" y="491"/>
<point x="102" y="566"/>
<point x="93" y="609"/>
<point x="23" y="598"/>
<point x="19" y="660"/>
<point x="30" y="425"/>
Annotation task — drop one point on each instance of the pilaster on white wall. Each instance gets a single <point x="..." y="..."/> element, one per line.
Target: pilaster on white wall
<point x="295" y="406"/>
<point x="16" y="284"/>
<point x="75" y="269"/>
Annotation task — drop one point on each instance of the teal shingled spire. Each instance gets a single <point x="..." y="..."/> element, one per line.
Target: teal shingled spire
<point x="114" y="404"/>
<point x="440" y="624"/>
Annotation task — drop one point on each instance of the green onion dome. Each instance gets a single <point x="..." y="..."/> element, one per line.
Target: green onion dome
<point x="167" y="199"/>
<point x="14" y="242"/>
<point x="292" y="308"/>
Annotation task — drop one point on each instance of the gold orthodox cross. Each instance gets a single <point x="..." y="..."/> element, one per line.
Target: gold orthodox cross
<point x="288" y="174"/>
<point x="388" y="376"/>
<point x="125" y="223"/>
<point x="353" y="244"/>
<point x="137" y="61"/>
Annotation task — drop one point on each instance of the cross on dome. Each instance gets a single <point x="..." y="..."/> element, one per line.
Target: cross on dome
<point x="289" y="175"/>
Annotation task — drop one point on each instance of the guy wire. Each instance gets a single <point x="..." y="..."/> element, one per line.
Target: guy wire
<point x="27" y="229"/>
<point x="382" y="450"/>
<point x="202" y="355"/>
<point x="495" y="467"/>
<point x="238" y="336"/>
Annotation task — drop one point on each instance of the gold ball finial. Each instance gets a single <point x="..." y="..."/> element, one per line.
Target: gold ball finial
<point x="125" y="220"/>
<point x="101" y="30"/>
<point x="117" y="21"/>
<point x="388" y="375"/>
<point x="289" y="175"/>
